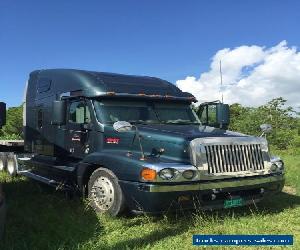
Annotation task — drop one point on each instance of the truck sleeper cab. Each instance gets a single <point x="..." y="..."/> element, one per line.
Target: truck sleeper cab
<point x="135" y="142"/>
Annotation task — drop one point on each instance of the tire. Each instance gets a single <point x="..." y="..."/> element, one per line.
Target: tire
<point x="3" y="162"/>
<point x="104" y="192"/>
<point x="11" y="165"/>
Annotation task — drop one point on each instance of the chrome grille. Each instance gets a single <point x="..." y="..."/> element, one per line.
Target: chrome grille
<point x="234" y="158"/>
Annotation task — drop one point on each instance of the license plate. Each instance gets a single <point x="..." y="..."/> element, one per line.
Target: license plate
<point x="236" y="202"/>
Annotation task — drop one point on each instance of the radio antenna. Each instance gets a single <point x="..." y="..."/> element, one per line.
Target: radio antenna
<point x="221" y="79"/>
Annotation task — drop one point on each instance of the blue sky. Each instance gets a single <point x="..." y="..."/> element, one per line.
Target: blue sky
<point x="168" y="39"/>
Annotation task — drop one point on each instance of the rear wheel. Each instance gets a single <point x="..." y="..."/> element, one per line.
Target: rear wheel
<point x="105" y="193"/>
<point x="12" y="165"/>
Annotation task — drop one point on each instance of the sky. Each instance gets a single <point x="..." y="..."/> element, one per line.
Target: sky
<point x="180" y="41"/>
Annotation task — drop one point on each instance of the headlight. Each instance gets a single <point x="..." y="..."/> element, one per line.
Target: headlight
<point x="274" y="167"/>
<point x="167" y="173"/>
<point x="188" y="174"/>
<point x="280" y="165"/>
<point x="277" y="164"/>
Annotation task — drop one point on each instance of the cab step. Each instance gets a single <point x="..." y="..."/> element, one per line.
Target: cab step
<point x="58" y="185"/>
<point x="36" y="177"/>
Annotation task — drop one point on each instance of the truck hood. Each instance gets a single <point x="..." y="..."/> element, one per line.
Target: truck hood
<point x="186" y="132"/>
<point x="175" y="139"/>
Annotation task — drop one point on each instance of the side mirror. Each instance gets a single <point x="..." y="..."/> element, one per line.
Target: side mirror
<point x="2" y="114"/>
<point x="59" y="113"/>
<point x="265" y="129"/>
<point x="214" y="114"/>
<point x="122" y="126"/>
<point x="222" y="115"/>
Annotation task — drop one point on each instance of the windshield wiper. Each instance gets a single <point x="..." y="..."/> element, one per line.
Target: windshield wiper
<point x="182" y="122"/>
<point x="142" y="122"/>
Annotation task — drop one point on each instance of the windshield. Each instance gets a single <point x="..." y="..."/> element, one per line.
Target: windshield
<point x="144" y="112"/>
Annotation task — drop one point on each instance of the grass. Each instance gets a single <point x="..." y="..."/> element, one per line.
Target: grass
<point x="40" y="218"/>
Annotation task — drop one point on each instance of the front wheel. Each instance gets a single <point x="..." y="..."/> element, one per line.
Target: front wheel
<point x="105" y="193"/>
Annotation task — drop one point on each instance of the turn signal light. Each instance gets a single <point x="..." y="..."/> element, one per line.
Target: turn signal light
<point x="148" y="174"/>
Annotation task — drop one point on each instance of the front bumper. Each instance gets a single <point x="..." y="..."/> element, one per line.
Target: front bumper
<point x="159" y="198"/>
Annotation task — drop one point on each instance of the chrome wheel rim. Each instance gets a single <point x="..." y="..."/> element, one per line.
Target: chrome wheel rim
<point x="11" y="166"/>
<point x="103" y="193"/>
<point x="1" y="165"/>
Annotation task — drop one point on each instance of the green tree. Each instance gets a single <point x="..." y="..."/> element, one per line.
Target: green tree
<point x="275" y="112"/>
<point x="14" y="123"/>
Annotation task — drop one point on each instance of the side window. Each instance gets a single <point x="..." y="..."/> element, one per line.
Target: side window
<point x="44" y="85"/>
<point x="79" y="112"/>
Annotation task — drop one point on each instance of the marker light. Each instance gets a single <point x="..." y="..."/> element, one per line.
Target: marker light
<point x="148" y="174"/>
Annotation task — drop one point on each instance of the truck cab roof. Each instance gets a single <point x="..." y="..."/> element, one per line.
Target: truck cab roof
<point x="97" y="84"/>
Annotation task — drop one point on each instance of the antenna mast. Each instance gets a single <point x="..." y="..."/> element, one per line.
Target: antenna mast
<point x="221" y="79"/>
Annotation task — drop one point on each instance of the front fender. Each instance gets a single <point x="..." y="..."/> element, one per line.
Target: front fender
<point x="123" y="166"/>
<point x="126" y="167"/>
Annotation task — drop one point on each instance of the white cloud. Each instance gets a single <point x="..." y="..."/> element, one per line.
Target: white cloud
<point x="252" y="75"/>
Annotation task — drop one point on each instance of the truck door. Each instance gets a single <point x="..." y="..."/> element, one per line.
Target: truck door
<point x="77" y="136"/>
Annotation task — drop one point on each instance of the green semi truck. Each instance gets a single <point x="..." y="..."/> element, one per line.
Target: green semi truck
<point x="134" y="142"/>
